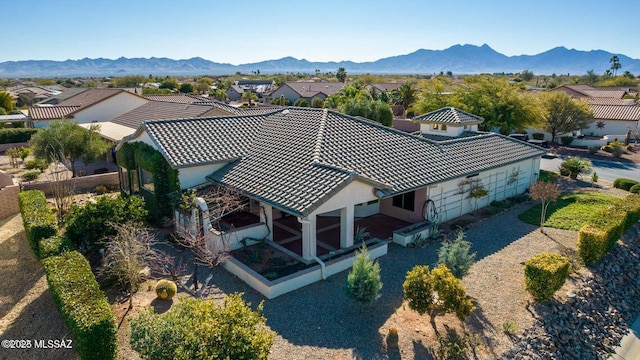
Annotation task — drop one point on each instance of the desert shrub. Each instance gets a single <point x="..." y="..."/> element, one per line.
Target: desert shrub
<point x="82" y="304"/>
<point x="537" y="136"/>
<point x="101" y="190"/>
<point x="616" y="143"/>
<point x="31" y="175"/>
<point x="40" y="164"/>
<point x="54" y="246"/>
<point x="592" y="149"/>
<point x="617" y="151"/>
<point x="631" y="205"/>
<point x="166" y="289"/>
<point x="544" y="274"/>
<point x="456" y="255"/>
<point x="88" y="225"/>
<point x="624" y="184"/>
<point x="363" y="281"/>
<point x="606" y="148"/>
<point x="10" y="136"/>
<point x="566" y="140"/>
<point x="509" y="328"/>
<point x="629" y="147"/>
<point x="575" y="166"/>
<point x="453" y="347"/>
<point x="600" y="234"/>
<point x="202" y="329"/>
<point x="392" y="338"/>
<point x="39" y="222"/>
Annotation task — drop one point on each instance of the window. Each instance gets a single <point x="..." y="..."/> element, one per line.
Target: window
<point x="405" y="201"/>
<point x="434" y="127"/>
<point x="466" y="127"/>
<point x="146" y="180"/>
<point x="125" y="185"/>
<point x="441" y="127"/>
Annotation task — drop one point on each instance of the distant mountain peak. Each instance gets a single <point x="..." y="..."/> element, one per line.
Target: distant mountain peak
<point x="459" y="59"/>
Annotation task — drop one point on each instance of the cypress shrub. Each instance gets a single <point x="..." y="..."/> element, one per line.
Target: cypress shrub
<point x="544" y="274"/>
<point x="39" y="222"/>
<point x="82" y="304"/>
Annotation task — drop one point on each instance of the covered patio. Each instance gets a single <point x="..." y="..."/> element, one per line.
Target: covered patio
<point x="287" y="231"/>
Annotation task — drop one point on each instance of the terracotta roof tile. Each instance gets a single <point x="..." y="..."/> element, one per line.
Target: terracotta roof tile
<point x="90" y="97"/>
<point x="616" y="112"/>
<point x="51" y="112"/>
<point x="159" y="110"/>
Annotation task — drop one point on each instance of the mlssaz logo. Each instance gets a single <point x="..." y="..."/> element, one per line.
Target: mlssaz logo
<point x="53" y="344"/>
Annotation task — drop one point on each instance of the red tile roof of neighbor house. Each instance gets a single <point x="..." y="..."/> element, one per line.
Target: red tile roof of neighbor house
<point x="91" y="97"/>
<point x="616" y="112"/>
<point x="297" y="158"/>
<point x="608" y="101"/>
<point x="51" y="112"/>
<point x="309" y="89"/>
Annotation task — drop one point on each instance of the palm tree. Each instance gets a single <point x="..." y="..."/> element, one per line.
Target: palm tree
<point x="404" y="95"/>
<point x="250" y="97"/>
<point x="615" y="64"/>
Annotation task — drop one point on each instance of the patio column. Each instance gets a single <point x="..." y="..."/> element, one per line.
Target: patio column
<point x="308" y="237"/>
<point x="266" y="217"/>
<point x="346" y="226"/>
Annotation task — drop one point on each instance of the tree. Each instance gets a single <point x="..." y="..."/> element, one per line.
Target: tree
<point x="301" y="102"/>
<point x="615" y="64"/>
<point x="316" y="102"/>
<point x="203" y="85"/>
<point x="363" y="281"/>
<point x="186" y="88"/>
<point x="591" y="78"/>
<point x="404" y="95"/>
<point x="575" y="166"/>
<point x="67" y="142"/>
<point x="502" y="105"/>
<point x="250" y="97"/>
<point x="169" y="83"/>
<point x="341" y="74"/>
<point x="561" y="114"/>
<point x="218" y="94"/>
<point x="546" y="192"/>
<point x="432" y="95"/>
<point x="455" y="255"/>
<point x="527" y="75"/>
<point x="435" y="292"/>
<point x="6" y="102"/>
<point x="374" y="110"/>
<point x="282" y="101"/>
<point x="131" y="81"/>
<point x="127" y="253"/>
<point x="201" y="329"/>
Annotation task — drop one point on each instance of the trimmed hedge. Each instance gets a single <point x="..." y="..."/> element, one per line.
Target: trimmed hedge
<point x="631" y="205"/>
<point x="54" y="246"/>
<point x="82" y="304"/>
<point x="39" y="222"/>
<point x="544" y="274"/>
<point x="10" y="136"/>
<point x="635" y="189"/>
<point x="597" y="237"/>
<point x="624" y="184"/>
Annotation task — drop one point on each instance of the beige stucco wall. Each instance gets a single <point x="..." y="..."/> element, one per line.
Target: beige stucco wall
<point x="193" y="176"/>
<point x="356" y="192"/>
<point x="387" y="208"/>
<point x="110" y="108"/>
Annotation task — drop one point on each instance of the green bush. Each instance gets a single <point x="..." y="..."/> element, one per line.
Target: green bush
<point x="606" y="148"/>
<point x="39" y="222"/>
<point x="631" y="205"/>
<point x="54" y="246"/>
<point x="202" y="329"/>
<point x="624" y="184"/>
<point x="575" y="166"/>
<point x="617" y="151"/>
<point x="10" y="136"/>
<point x="31" y="175"/>
<point x="40" y="164"/>
<point x="82" y="304"/>
<point x="363" y="282"/>
<point x="166" y="289"/>
<point x="544" y="274"/>
<point x="566" y="140"/>
<point x="592" y="149"/>
<point x="635" y="189"/>
<point x="88" y="225"/>
<point x="597" y="237"/>
<point x="456" y="255"/>
<point x="616" y="143"/>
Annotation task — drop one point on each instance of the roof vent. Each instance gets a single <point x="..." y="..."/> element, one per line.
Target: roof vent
<point x="285" y="112"/>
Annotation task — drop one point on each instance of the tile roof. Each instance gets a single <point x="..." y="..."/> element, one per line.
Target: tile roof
<point x="615" y="94"/>
<point x="436" y="137"/>
<point x="616" y="112"/>
<point x="90" y="97"/>
<point x="158" y="110"/>
<point x="449" y="115"/>
<point x="177" y="98"/>
<point x="51" y="112"/>
<point x="294" y="159"/>
<point x="310" y="89"/>
<point x="605" y="101"/>
<point x="386" y="86"/>
<point x="56" y="99"/>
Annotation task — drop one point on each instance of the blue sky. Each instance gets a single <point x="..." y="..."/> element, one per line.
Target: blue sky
<point x="248" y="31"/>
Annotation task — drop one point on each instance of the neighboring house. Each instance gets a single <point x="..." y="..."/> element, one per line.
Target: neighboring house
<point x="57" y="99"/>
<point x="260" y="87"/>
<point x="35" y="93"/>
<point x="315" y="165"/>
<point x="383" y="87"/>
<point x="304" y="90"/>
<point x="92" y="105"/>
<point x="177" y="98"/>
<point x="617" y="120"/>
<point x="587" y="91"/>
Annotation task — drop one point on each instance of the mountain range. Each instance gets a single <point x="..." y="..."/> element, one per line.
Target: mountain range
<point x="459" y="59"/>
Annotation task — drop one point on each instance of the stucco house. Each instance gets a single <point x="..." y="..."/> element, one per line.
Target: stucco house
<point x="92" y="105"/>
<point x="310" y="167"/>
<point x="294" y="90"/>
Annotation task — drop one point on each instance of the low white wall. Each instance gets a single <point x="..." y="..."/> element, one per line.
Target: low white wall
<point x="233" y="238"/>
<point x="272" y="289"/>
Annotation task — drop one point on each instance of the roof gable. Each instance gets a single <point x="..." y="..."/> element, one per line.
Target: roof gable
<point x="449" y="115"/>
<point x="158" y="110"/>
<point x="309" y="89"/>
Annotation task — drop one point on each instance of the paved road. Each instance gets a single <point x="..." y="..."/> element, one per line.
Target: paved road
<point x="629" y="348"/>
<point x="609" y="170"/>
